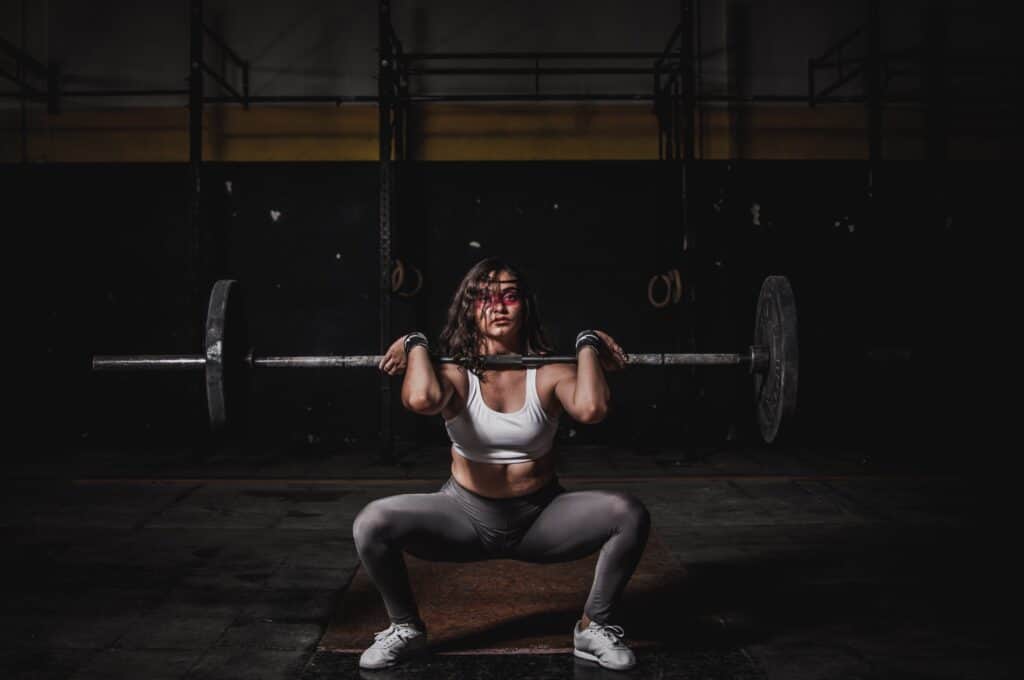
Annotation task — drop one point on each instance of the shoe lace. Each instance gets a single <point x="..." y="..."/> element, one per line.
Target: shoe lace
<point x="392" y="634"/>
<point x="613" y="633"/>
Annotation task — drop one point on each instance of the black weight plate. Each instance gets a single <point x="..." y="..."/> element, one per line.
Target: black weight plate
<point x="776" y="328"/>
<point x="226" y="345"/>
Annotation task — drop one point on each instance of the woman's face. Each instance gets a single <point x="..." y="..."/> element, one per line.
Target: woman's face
<point x="499" y="309"/>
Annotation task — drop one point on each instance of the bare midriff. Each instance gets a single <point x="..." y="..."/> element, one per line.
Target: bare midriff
<point x="503" y="480"/>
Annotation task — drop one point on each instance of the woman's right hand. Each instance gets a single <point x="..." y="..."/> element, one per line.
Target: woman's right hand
<point x="394" y="360"/>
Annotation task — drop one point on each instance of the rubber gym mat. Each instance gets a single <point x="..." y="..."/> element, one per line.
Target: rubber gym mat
<point x="511" y="607"/>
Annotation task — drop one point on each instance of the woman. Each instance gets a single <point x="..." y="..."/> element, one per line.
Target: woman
<point x="503" y="499"/>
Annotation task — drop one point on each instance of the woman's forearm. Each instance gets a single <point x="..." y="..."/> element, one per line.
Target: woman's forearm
<point x="420" y="388"/>
<point x="591" y="387"/>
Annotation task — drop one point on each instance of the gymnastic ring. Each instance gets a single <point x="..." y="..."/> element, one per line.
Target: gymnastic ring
<point x="677" y="286"/>
<point x="397" y="276"/>
<point x="419" y="282"/>
<point x="650" y="291"/>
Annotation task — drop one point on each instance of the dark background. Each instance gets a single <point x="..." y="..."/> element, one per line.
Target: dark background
<point x="907" y="254"/>
<point x="107" y="246"/>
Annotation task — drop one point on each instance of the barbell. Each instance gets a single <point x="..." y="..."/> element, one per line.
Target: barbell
<point x="772" y="359"/>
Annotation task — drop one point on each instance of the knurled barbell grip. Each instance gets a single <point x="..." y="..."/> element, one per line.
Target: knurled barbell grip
<point x="660" y="359"/>
<point x="336" y="361"/>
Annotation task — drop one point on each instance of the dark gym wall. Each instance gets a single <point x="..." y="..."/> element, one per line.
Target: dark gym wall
<point x="869" y="274"/>
<point x="103" y="190"/>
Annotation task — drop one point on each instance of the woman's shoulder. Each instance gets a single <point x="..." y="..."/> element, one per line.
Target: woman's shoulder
<point x="454" y="373"/>
<point x="556" y="367"/>
<point x="553" y="373"/>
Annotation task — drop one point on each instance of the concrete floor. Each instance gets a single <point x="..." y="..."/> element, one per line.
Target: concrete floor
<point x="802" y="564"/>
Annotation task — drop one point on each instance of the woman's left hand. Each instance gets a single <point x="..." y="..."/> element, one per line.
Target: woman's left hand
<point x="613" y="358"/>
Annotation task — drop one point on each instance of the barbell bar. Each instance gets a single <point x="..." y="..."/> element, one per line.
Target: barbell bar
<point x="772" y="359"/>
<point x="757" y="359"/>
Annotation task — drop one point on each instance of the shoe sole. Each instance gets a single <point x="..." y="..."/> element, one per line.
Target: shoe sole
<point x="402" y="659"/>
<point x="590" y="657"/>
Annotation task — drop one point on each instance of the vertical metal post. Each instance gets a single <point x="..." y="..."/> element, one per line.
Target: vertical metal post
<point x="399" y="109"/>
<point x="873" y="79"/>
<point x="385" y="69"/>
<point x="194" y="267"/>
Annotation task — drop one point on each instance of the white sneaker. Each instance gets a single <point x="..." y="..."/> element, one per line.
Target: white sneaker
<point x="395" y="643"/>
<point x="602" y="644"/>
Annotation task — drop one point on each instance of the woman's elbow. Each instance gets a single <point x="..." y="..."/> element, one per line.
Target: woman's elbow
<point x="420" y="403"/>
<point x="590" y="415"/>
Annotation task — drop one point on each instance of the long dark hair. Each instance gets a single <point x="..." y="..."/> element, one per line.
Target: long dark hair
<point x="460" y="338"/>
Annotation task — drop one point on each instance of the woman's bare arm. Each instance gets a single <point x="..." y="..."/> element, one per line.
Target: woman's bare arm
<point x="423" y="390"/>
<point x="583" y="390"/>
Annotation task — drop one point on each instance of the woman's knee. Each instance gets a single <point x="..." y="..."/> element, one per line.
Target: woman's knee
<point x="628" y="510"/>
<point x="371" y="523"/>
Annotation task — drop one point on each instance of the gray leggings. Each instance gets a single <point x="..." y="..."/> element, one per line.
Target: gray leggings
<point x="456" y="525"/>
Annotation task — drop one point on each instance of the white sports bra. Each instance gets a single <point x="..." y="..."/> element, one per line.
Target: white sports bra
<point x="482" y="434"/>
